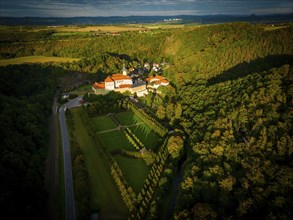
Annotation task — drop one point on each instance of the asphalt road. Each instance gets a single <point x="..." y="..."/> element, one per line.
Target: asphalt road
<point x="73" y="103"/>
<point x="68" y="181"/>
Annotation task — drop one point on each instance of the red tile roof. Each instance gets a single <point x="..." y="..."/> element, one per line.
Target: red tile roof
<point x="149" y="78"/>
<point x="160" y="77"/>
<point x="119" y="77"/>
<point x="99" y="85"/>
<point x="109" y="79"/>
<point x="125" y="86"/>
<point x="164" y="81"/>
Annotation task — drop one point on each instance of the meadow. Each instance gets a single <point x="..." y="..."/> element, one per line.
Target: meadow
<point x="110" y="28"/>
<point x="104" y="193"/>
<point x="106" y="28"/>
<point x="35" y="59"/>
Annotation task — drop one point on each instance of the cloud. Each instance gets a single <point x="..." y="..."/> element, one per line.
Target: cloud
<point x="71" y="8"/>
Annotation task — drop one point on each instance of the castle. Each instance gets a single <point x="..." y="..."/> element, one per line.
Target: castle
<point x="123" y="82"/>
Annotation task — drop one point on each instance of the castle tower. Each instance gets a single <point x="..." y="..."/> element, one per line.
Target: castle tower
<point x="124" y="70"/>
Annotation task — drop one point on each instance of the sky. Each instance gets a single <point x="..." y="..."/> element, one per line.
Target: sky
<point x="74" y="8"/>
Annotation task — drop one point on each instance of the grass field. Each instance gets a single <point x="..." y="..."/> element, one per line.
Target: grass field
<point x="64" y="34"/>
<point x="35" y="59"/>
<point x="100" y="28"/>
<point x="142" y="131"/>
<point x="102" y="123"/>
<point x="146" y="135"/>
<point x="128" y="118"/>
<point x="114" y="140"/>
<point x="273" y="28"/>
<point x="164" y="26"/>
<point x="135" y="171"/>
<point x="97" y="28"/>
<point x="104" y="194"/>
<point x="82" y="90"/>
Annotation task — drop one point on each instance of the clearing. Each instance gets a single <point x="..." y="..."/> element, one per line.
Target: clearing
<point x="35" y="59"/>
<point x="101" y="28"/>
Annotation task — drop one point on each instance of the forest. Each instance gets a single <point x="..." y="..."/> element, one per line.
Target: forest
<point x="26" y="103"/>
<point x="231" y="95"/>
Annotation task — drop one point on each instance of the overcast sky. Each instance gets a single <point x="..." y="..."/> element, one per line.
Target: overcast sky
<point x="72" y="8"/>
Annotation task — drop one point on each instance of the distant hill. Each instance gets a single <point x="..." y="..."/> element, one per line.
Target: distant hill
<point x="205" y="19"/>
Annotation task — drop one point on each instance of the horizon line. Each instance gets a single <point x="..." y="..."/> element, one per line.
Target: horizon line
<point x="125" y="16"/>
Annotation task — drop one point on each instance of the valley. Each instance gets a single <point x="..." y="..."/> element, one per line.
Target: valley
<point x="215" y="142"/>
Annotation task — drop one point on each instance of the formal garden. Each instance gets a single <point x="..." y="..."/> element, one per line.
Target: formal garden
<point x="124" y="155"/>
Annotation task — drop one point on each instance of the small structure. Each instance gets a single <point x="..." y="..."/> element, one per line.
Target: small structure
<point x="124" y="71"/>
<point x="65" y="96"/>
<point x="142" y="150"/>
<point x="139" y="88"/>
<point x="157" y="81"/>
<point x="156" y="67"/>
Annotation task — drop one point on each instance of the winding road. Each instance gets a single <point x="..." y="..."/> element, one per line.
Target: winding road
<point x="68" y="181"/>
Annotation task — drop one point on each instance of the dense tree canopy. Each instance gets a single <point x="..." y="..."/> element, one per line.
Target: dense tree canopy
<point x="240" y="147"/>
<point x="26" y="96"/>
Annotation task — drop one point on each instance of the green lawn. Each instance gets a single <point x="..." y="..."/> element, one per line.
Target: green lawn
<point x="142" y="131"/>
<point x="146" y="135"/>
<point x="135" y="171"/>
<point x="35" y="59"/>
<point x="64" y="34"/>
<point x="105" y="195"/>
<point x="115" y="140"/>
<point x="82" y="90"/>
<point x="102" y="123"/>
<point x="128" y="118"/>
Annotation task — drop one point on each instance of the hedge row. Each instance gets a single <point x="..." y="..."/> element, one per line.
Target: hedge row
<point x="151" y="121"/>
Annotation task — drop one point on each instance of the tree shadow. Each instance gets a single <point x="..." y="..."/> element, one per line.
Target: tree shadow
<point x="122" y="56"/>
<point x="258" y="65"/>
<point x="149" y="138"/>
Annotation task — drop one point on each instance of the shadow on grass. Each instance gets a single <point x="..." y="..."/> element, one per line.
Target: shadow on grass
<point x="148" y="137"/>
